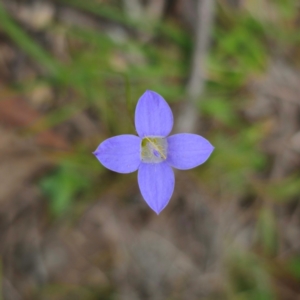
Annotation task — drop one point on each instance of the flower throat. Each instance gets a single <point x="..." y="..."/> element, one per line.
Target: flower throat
<point x="153" y="149"/>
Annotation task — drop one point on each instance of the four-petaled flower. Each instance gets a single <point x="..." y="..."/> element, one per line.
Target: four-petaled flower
<point x="152" y="152"/>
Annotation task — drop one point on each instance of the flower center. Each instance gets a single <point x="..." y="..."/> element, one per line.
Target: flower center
<point x="153" y="149"/>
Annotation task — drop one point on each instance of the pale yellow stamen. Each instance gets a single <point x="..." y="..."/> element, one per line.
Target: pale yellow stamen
<point x="153" y="149"/>
<point x="157" y="148"/>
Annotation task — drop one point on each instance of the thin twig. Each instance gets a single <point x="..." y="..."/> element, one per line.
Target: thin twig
<point x="134" y="9"/>
<point x="205" y="16"/>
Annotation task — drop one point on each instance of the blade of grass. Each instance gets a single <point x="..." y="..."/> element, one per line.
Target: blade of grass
<point x="19" y="36"/>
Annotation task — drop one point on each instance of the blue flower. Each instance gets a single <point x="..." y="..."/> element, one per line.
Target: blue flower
<point x="153" y="153"/>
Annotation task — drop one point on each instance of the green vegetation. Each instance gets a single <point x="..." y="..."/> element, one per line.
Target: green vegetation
<point x="104" y="71"/>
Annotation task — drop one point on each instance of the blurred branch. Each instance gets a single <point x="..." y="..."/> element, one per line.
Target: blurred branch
<point x="133" y="9"/>
<point x="155" y="9"/>
<point x="203" y="31"/>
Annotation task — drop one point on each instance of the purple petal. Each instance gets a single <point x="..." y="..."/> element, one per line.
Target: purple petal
<point x="186" y="151"/>
<point x="156" y="182"/>
<point x="153" y="116"/>
<point x="120" y="153"/>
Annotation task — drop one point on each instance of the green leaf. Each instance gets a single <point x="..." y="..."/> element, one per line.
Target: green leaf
<point x="266" y="230"/>
<point x="219" y="108"/>
<point x="294" y="267"/>
<point x="62" y="187"/>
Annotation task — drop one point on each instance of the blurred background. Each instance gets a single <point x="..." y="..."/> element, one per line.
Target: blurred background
<point x="71" y="72"/>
